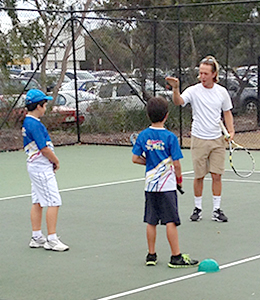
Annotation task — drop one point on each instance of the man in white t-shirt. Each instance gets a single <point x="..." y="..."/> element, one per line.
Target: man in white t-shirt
<point x="208" y="100"/>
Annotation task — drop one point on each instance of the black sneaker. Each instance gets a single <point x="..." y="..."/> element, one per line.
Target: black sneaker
<point x="219" y="216"/>
<point x="183" y="262"/>
<point x="196" y="215"/>
<point x="151" y="259"/>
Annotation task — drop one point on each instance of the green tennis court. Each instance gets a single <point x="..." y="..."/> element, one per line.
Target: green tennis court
<point x="101" y="221"/>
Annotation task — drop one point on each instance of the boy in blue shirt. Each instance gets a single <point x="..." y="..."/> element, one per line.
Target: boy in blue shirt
<point x="163" y="173"/>
<point x="42" y="163"/>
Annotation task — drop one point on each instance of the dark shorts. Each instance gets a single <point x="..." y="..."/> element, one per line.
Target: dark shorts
<point x="161" y="206"/>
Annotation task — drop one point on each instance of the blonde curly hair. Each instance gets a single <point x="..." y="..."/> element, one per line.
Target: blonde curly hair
<point x="211" y="61"/>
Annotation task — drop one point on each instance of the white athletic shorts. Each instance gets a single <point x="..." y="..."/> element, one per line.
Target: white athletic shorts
<point x="44" y="187"/>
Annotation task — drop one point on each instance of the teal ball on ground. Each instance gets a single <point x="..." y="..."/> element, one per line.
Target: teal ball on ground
<point x="208" y="266"/>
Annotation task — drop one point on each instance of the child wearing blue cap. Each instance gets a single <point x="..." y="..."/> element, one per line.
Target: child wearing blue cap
<point x="42" y="163"/>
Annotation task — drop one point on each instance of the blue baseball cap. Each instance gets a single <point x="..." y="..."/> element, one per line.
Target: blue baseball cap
<point x="34" y="96"/>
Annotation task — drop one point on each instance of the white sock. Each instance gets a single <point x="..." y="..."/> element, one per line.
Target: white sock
<point x="198" y="202"/>
<point x="216" y="202"/>
<point x="52" y="237"/>
<point x="37" y="234"/>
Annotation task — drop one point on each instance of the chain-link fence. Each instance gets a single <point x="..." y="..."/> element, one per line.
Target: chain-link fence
<point x="116" y="59"/>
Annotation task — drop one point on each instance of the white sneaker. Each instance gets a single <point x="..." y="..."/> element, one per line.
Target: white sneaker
<point x="39" y="243"/>
<point x="55" y="245"/>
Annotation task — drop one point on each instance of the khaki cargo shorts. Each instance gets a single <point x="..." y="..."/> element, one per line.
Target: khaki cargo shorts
<point x="208" y="156"/>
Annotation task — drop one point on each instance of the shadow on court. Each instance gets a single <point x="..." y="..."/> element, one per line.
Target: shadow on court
<point x="101" y="221"/>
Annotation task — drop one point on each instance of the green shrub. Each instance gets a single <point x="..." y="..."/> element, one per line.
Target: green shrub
<point x="112" y="117"/>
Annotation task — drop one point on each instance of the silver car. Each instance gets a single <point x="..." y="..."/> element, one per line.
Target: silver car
<point x="68" y="99"/>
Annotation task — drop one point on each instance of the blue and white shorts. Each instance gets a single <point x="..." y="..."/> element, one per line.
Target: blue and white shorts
<point x="44" y="187"/>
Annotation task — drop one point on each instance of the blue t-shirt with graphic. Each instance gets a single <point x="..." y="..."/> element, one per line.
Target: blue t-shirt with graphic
<point x="35" y="138"/>
<point x="161" y="148"/>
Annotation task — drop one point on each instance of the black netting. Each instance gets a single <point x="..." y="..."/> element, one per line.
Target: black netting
<point x="121" y="58"/>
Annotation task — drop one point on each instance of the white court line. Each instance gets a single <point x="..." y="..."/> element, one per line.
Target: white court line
<point x="86" y="187"/>
<point x="228" y="180"/>
<point x="155" y="285"/>
<point x="79" y="188"/>
<point x="122" y="182"/>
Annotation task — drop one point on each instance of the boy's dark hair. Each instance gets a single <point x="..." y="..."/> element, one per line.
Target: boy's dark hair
<point x="33" y="106"/>
<point x="157" y="108"/>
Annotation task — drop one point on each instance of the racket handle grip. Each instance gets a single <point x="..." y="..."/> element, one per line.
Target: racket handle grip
<point x="180" y="189"/>
<point x="224" y="130"/>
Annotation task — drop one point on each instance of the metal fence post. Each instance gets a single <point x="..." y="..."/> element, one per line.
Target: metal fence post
<point x="227" y="53"/>
<point x="258" y="91"/>
<point x="75" y="71"/>
<point x="154" y="54"/>
<point x="180" y="72"/>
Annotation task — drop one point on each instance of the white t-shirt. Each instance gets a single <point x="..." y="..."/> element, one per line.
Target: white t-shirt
<point x="207" y="105"/>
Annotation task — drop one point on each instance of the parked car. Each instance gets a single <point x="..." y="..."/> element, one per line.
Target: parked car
<point x="51" y="78"/>
<point x="15" y="85"/>
<point x="160" y="75"/>
<point x="116" y="92"/>
<point x="149" y="86"/>
<point x="82" y="84"/>
<point x="104" y="93"/>
<point x="63" y="116"/>
<point x="246" y="71"/>
<point x="244" y="95"/>
<point x="68" y="99"/>
<point x="120" y="92"/>
<point x="58" y="116"/>
<point x="127" y="95"/>
<point x="14" y="71"/>
<point x="108" y="75"/>
<point x="81" y="74"/>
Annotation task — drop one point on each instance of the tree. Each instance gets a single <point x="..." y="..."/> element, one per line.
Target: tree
<point x="68" y="48"/>
<point x="26" y="38"/>
<point x="138" y="34"/>
<point x="197" y="37"/>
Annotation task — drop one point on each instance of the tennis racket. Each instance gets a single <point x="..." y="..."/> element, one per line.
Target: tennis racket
<point x="241" y="160"/>
<point x="133" y="139"/>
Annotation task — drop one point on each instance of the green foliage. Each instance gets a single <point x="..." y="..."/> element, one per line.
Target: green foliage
<point x="12" y="13"/>
<point x="110" y="38"/>
<point x="31" y="36"/>
<point x="197" y="39"/>
<point x="5" y="54"/>
<point x="111" y="117"/>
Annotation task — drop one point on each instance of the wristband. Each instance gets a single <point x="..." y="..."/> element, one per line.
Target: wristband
<point x="179" y="179"/>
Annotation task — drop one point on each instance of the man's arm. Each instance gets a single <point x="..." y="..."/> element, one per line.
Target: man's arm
<point x="175" y="84"/>
<point x="228" y="117"/>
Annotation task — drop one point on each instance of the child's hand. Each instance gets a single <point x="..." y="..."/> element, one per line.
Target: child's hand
<point x="55" y="167"/>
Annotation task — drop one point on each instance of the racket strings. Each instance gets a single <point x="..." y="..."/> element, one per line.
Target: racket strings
<point x="242" y="162"/>
<point x="133" y="138"/>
